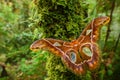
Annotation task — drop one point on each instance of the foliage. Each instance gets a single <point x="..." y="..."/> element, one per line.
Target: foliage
<point x="24" y="21"/>
<point x="16" y="37"/>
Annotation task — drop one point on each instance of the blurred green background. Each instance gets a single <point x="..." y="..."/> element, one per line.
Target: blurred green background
<point x="20" y="22"/>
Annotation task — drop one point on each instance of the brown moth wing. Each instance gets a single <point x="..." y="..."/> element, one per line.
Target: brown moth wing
<point x="55" y="46"/>
<point x="93" y="28"/>
<point x="48" y="44"/>
<point x="79" y="68"/>
<point x="94" y="62"/>
<point x="89" y="37"/>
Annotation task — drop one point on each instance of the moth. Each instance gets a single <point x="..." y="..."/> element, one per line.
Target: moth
<point x="78" y="55"/>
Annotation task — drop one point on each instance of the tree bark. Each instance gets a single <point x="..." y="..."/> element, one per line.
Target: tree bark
<point x="62" y="19"/>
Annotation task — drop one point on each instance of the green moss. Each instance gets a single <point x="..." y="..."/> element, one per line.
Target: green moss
<point x="57" y="71"/>
<point x="61" y="19"/>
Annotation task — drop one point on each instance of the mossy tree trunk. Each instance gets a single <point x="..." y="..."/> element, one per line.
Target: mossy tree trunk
<point x="61" y="19"/>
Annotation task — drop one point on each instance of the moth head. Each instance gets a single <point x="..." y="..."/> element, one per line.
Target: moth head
<point x="101" y="21"/>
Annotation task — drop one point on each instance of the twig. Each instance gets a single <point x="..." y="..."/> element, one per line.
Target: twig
<point x="117" y="42"/>
<point x="108" y="29"/>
